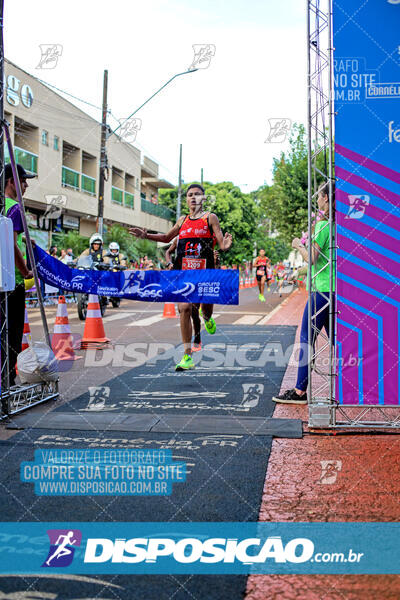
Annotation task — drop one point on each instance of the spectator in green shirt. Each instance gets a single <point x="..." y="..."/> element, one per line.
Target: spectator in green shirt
<point x="16" y="298"/>
<point x="320" y="277"/>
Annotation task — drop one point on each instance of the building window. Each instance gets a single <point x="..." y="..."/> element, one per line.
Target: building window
<point x="56" y="143"/>
<point x="45" y="136"/>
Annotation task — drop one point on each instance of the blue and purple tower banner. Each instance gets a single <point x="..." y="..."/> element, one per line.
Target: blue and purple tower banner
<point x="367" y="167"/>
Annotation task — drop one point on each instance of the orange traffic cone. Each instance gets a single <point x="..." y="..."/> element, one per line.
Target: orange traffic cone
<point x="93" y="334"/>
<point x="26" y="338"/>
<point x="62" y="342"/>
<point x="169" y="310"/>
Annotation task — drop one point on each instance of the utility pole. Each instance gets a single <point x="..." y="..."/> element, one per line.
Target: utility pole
<point x="103" y="156"/>
<point x="178" y="202"/>
<point x="201" y="178"/>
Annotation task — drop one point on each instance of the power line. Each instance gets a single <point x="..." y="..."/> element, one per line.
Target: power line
<point x="68" y="94"/>
<point x="89" y="118"/>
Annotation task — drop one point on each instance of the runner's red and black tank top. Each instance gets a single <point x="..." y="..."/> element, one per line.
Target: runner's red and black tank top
<point x="261" y="268"/>
<point x="195" y="244"/>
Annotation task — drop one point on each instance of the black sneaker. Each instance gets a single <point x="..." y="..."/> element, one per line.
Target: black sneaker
<point x="290" y="397"/>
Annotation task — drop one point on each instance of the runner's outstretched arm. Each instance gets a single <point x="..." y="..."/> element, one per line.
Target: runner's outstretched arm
<point x="224" y="241"/>
<point x="157" y="237"/>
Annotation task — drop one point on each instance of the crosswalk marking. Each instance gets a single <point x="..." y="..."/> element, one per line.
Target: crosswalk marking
<point x="117" y="316"/>
<point x="247" y="320"/>
<point x="215" y="316"/>
<point x="147" y="321"/>
<point x="265" y="319"/>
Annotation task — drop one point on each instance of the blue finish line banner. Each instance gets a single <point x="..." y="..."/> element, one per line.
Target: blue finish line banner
<point x="211" y="286"/>
<point x="199" y="548"/>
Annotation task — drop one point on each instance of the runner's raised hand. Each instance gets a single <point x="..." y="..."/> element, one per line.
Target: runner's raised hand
<point x="138" y="232"/>
<point x="227" y="241"/>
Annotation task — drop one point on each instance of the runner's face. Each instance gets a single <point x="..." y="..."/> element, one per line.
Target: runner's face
<point x="262" y="252"/>
<point x="195" y="199"/>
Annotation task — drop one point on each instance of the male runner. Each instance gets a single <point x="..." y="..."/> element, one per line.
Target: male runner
<point x="194" y="251"/>
<point x="196" y="346"/>
<point x="260" y="265"/>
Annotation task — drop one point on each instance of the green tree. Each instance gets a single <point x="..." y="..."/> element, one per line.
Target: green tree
<point x="238" y="214"/>
<point x="285" y="201"/>
<point x="133" y="248"/>
<point x="71" y="239"/>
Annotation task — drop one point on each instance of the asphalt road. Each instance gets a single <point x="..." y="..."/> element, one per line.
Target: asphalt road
<point x="141" y="323"/>
<point x="194" y="414"/>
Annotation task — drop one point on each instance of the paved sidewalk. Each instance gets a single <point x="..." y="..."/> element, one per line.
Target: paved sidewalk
<point x="363" y="485"/>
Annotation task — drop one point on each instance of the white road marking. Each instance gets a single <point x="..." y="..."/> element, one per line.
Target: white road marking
<point x="215" y="316"/>
<point x="117" y="316"/>
<point x="247" y="320"/>
<point x="147" y="321"/>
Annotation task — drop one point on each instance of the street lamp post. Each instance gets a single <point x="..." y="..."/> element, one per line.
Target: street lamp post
<point x="104" y="156"/>
<point x="155" y="94"/>
<point x="178" y="201"/>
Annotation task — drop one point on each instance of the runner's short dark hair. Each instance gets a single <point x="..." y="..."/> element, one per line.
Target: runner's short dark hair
<point x="195" y="185"/>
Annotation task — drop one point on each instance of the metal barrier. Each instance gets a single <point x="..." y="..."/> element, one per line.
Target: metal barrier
<point x="19" y="398"/>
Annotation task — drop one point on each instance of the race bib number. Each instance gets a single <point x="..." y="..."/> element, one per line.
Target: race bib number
<point x="260" y="271"/>
<point x="189" y="264"/>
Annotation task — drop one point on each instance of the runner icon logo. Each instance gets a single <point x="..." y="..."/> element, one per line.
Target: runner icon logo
<point x="98" y="397"/>
<point x="251" y="394"/>
<point x="129" y="128"/>
<point x="203" y="54"/>
<point x="330" y="470"/>
<point x="62" y="547"/>
<point x="357" y="206"/>
<point x="278" y="130"/>
<point x="50" y="53"/>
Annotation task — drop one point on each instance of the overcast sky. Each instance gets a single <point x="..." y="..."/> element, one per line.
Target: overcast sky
<point x="219" y="114"/>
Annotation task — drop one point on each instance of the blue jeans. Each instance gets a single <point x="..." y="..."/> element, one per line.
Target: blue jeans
<point x="322" y="320"/>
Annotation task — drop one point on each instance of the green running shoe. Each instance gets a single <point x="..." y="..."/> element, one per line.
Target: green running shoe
<point x="186" y="363"/>
<point x="210" y="325"/>
<point x="261" y="298"/>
